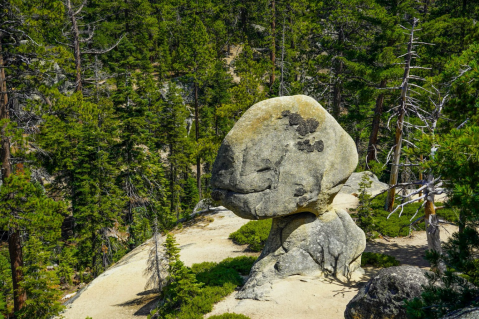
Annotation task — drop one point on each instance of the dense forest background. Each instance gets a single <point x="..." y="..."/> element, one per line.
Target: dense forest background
<point x="111" y="112"/>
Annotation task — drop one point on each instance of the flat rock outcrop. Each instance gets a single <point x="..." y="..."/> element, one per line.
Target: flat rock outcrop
<point x="352" y="184"/>
<point x="287" y="158"/>
<point x="383" y="296"/>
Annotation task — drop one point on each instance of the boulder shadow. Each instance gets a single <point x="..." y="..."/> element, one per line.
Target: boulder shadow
<point x="412" y="255"/>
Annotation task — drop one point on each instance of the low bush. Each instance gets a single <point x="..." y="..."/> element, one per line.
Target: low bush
<point x="215" y="281"/>
<point x="253" y="233"/>
<point x="378" y="260"/>
<point x="398" y="226"/>
<point x="230" y="316"/>
<point x="213" y="274"/>
<point x="241" y="264"/>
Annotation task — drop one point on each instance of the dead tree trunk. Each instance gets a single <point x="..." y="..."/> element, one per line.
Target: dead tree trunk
<point x="281" y="83"/>
<point x="432" y="222"/>
<point x="338" y="86"/>
<point x="76" y="41"/>
<point x="76" y="45"/>
<point x="197" y="136"/>
<point x="373" y="137"/>
<point x="14" y="239"/>
<point x="400" y="123"/>
<point x="273" y="44"/>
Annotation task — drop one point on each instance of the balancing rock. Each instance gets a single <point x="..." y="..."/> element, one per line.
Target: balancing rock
<point x="286" y="158"/>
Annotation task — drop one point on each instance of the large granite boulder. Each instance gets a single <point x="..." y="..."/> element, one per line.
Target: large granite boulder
<point x="286" y="159"/>
<point x="284" y="156"/>
<point x="352" y="184"/>
<point x="383" y="296"/>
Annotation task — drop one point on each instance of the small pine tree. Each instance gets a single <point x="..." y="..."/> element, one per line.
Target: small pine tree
<point x="182" y="284"/>
<point x="39" y="283"/>
<point x="66" y="263"/>
<point x="365" y="219"/>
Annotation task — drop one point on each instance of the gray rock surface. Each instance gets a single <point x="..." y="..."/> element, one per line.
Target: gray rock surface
<point x="303" y="244"/>
<point x="287" y="158"/>
<point x="466" y="313"/>
<point x="284" y="155"/>
<point x="352" y="184"/>
<point x="383" y="296"/>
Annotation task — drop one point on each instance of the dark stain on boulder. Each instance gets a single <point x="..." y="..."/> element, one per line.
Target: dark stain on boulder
<point x="299" y="192"/>
<point x="306" y="146"/>
<point x="305" y="127"/>
<point x="295" y="119"/>
<point x="302" y="200"/>
<point x="319" y="146"/>
<point x="312" y="125"/>
<point x="285" y="113"/>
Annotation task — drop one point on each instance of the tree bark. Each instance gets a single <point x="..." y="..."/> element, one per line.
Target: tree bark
<point x="432" y="223"/>
<point x="197" y="135"/>
<point x="373" y="137"/>
<point x="14" y="239"/>
<point x="338" y="87"/>
<point x="273" y="44"/>
<point x="76" y="46"/>
<point x="400" y="123"/>
<point x="421" y="158"/>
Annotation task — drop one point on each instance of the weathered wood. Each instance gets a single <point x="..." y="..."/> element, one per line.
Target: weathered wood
<point x="433" y="232"/>
<point x="373" y="137"/>
<point x="400" y="123"/>
<point x="273" y="43"/>
<point x="197" y="137"/>
<point x="76" y="46"/>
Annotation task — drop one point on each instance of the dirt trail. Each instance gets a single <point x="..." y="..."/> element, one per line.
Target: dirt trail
<point x="119" y="292"/>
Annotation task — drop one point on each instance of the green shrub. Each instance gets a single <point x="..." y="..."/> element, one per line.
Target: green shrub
<point x="227" y="271"/>
<point x="241" y="264"/>
<point x="253" y="233"/>
<point x="378" y="260"/>
<point x="216" y="281"/>
<point x="398" y="226"/>
<point x="214" y="274"/>
<point x="230" y="316"/>
<point x="3" y="306"/>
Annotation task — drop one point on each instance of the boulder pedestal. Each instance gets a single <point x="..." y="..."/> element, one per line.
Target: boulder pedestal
<point x="303" y="244"/>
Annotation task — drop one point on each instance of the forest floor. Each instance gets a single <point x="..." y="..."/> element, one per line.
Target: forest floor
<point x="119" y="292"/>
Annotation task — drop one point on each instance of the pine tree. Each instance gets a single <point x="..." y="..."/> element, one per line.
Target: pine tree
<point x="365" y="220"/>
<point x="173" y="135"/>
<point x="26" y="210"/>
<point x="182" y="284"/>
<point x="80" y="157"/>
<point x="40" y="284"/>
<point x="195" y="58"/>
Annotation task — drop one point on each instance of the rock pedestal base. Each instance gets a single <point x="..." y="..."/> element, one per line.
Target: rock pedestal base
<point x="304" y="244"/>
